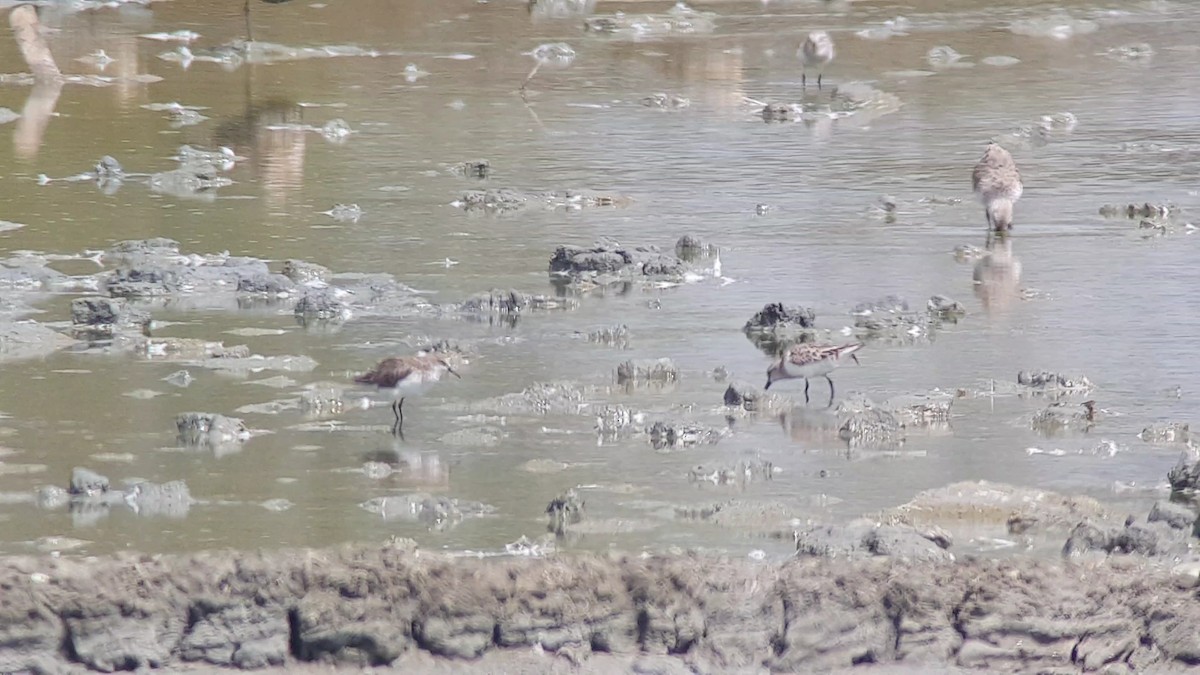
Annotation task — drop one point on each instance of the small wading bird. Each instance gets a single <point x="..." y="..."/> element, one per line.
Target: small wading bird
<point x="816" y="52"/>
<point x="998" y="184"/>
<point x="406" y="376"/>
<point x="809" y="360"/>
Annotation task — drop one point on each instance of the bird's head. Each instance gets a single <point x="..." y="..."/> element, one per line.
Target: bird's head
<point x="775" y="372"/>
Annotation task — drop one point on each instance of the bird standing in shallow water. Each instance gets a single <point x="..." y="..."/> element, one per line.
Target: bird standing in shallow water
<point x="998" y="183"/>
<point x="406" y="376"/>
<point x="817" y="51"/>
<point x="809" y="360"/>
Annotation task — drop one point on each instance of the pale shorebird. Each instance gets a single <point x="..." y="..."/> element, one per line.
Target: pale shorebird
<point x="809" y="360"/>
<point x="998" y="184"/>
<point x="817" y="51"/>
<point x="406" y="376"/>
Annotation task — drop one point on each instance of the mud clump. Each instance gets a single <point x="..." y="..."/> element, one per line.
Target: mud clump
<point x="305" y="273"/>
<point x="540" y="398"/>
<point x="863" y="423"/>
<point x="776" y="327"/>
<point x="613" y="421"/>
<point x="276" y="285"/>
<point x="1059" y="418"/>
<point x="1017" y="510"/>
<point x="1185" y="475"/>
<point x="476" y="168"/>
<point x="90" y="498"/>
<point x="776" y="316"/>
<point x="864" y="539"/>
<point x="665" y="101"/>
<point x="321" y="305"/>
<point x="890" y="319"/>
<point x="749" y="398"/>
<point x="945" y="308"/>
<point x="605" y="264"/>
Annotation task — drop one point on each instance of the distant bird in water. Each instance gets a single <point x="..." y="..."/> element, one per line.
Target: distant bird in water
<point x="809" y="360"/>
<point x="406" y="376"/>
<point x="249" y="32"/>
<point x="816" y="52"/>
<point x="998" y="184"/>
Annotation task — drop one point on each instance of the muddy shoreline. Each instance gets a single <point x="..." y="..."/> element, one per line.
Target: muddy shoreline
<point x="398" y="606"/>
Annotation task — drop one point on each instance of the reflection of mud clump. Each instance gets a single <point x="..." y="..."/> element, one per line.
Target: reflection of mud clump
<point x="660" y="371"/>
<point x="678" y="435"/>
<point x="741" y="473"/>
<point x="1167" y="433"/>
<point x="436" y="512"/>
<point x="1132" y="211"/>
<point x="501" y="200"/>
<point x="564" y="510"/>
<point x="1050" y="381"/>
<point x="679" y="20"/>
<point x="210" y="430"/>
<point x="510" y="301"/>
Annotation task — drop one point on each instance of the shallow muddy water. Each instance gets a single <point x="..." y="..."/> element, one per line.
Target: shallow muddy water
<point x="1094" y="296"/>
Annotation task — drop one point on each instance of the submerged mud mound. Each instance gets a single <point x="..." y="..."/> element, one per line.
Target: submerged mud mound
<point x="393" y="606"/>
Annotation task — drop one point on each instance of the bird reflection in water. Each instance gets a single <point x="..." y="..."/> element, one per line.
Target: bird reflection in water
<point x="810" y="426"/>
<point x="271" y="135"/>
<point x="411" y="468"/>
<point x="997" y="275"/>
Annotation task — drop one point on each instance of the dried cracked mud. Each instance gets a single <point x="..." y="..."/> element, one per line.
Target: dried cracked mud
<point x="397" y="607"/>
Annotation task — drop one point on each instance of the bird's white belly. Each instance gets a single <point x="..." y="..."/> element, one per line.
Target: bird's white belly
<point x="412" y="388"/>
<point x="810" y="370"/>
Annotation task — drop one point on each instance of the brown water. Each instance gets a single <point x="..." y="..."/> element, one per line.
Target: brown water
<point x="1120" y="309"/>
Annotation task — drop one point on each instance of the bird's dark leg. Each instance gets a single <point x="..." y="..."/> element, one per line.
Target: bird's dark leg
<point x="830" y="389"/>
<point x="803" y="79"/>
<point x="806" y="390"/>
<point x="819" y="80"/>
<point x="398" y="425"/>
<point x="249" y="33"/>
